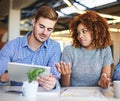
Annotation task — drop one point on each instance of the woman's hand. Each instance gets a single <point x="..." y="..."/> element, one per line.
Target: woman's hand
<point x="63" y="68"/>
<point x="65" y="71"/>
<point x="104" y="81"/>
<point x="48" y="81"/>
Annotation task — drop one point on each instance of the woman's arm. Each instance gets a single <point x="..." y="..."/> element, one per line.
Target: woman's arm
<point x="105" y="78"/>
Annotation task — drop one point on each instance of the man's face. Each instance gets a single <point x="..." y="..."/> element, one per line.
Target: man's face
<point x="42" y="28"/>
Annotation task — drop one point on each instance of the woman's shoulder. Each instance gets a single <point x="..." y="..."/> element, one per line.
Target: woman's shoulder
<point x="108" y="48"/>
<point x="69" y="47"/>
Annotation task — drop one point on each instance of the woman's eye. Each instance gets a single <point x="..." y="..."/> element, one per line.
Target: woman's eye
<point x="84" y="31"/>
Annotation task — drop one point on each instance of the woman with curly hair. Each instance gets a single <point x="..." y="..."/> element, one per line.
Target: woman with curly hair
<point x="87" y="62"/>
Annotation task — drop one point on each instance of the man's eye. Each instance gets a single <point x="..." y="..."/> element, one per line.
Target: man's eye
<point x="50" y="29"/>
<point x="41" y="26"/>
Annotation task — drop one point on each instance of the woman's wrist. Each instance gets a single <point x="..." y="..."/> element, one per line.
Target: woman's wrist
<point x="105" y="75"/>
<point x="65" y="76"/>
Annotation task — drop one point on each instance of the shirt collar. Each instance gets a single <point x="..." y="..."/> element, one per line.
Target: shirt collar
<point x="25" y="41"/>
<point x="45" y="44"/>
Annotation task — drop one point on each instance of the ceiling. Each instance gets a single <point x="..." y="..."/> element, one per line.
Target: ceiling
<point x="29" y="7"/>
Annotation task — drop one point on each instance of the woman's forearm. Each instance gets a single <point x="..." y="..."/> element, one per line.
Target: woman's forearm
<point x="65" y="80"/>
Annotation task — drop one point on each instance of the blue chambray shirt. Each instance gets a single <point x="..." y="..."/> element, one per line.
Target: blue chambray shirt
<point x="19" y="51"/>
<point x="116" y="73"/>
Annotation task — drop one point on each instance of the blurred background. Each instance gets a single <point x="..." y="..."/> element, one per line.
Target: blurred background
<point x="16" y="15"/>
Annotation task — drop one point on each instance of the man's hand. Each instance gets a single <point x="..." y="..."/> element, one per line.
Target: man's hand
<point x="48" y="82"/>
<point x="4" y="77"/>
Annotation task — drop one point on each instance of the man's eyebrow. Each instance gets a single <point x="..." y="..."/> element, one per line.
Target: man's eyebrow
<point x="45" y="27"/>
<point x="42" y="25"/>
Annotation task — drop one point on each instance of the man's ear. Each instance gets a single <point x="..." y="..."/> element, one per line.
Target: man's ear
<point x="33" y="22"/>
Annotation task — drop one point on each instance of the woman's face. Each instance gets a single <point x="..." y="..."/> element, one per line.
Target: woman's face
<point x="84" y="37"/>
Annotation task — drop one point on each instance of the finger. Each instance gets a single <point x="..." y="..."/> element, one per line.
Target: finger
<point x="57" y="65"/>
<point x="47" y="86"/>
<point x="104" y="83"/>
<point x="108" y="81"/>
<point x="69" y="68"/>
<point x="101" y="81"/>
<point x="62" y="64"/>
<point x="65" y="68"/>
<point x="48" y="83"/>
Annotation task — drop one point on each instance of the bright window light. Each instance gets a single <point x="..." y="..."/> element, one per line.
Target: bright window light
<point x="95" y="3"/>
<point x="60" y="14"/>
<point x="79" y="6"/>
<point x="68" y="10"/>
<point x="88" y="3"/>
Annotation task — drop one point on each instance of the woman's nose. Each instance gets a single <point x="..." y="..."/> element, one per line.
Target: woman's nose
<point x="81" y="35"/>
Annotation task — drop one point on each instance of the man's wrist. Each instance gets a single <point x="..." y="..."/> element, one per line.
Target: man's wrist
<point x="54" y="86"/>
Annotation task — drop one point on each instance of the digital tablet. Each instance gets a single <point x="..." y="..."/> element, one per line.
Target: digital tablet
<point x="17" y="71"/>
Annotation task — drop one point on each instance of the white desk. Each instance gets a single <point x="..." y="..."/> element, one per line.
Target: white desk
<point x="42" y="95"/>
<point x="86" y="94"/>
<point x="65" y="94"/>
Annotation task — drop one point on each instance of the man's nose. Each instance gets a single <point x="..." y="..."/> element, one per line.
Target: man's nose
<point x="45" y="30"/>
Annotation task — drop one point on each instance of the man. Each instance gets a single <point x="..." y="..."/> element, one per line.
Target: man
<point x="36" y="47"/>
<point x="116" y="73"/>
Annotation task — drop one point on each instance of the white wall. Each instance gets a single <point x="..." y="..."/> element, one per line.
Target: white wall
<point x="116" y="46"/>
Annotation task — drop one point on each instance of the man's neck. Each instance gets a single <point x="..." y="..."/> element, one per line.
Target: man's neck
<point x="33" y="43"/>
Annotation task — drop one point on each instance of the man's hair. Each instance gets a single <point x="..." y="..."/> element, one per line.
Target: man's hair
<point x="47" y="12"/>
<point x="96" y="24"/>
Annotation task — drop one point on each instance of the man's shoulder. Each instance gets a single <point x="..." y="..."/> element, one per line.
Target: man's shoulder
<point x="15" y="41"/>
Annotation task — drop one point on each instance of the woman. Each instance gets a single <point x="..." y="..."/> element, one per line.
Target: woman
<point x="87" y="62"/>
